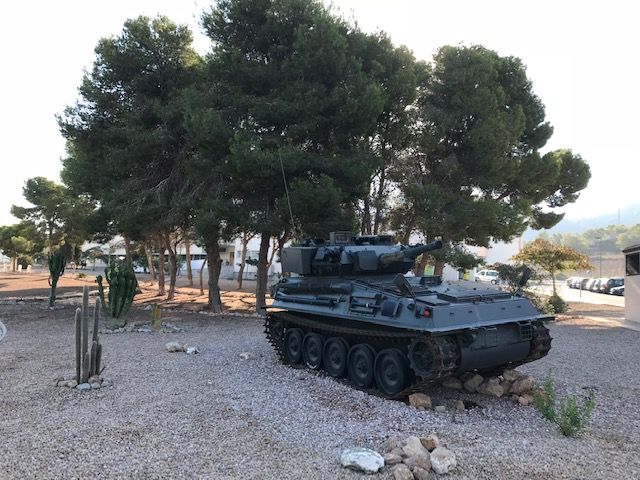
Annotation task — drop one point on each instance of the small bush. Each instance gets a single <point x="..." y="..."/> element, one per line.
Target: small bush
<point x="557" y="304"/>
<point x="570" y="417"/>
<point x="82" y="275"/>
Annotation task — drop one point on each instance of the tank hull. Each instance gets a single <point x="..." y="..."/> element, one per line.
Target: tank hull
<point x="349" y="310"/>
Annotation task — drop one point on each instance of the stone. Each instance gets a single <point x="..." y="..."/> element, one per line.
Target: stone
<point x="421" y="474"/>
<point x="83" y="387"/>
<point x="413" y="448"/>
<point x="525" y="400"/>
<point x="244" y="356"/>
<point x="362" y="459"/>
<point x="392" y="459"/>
<point x="523" y="385"/>
<point x="511" y="375"/>
<point x="418" y="462"/>
<point x="106" y="382"/>
<point x="173" y="347"/>
<point x="398" y="451"/>
<point x="392" y="442"/>
<point x="442" y="460"/>
<point x="472" y="384"/>
<point x="420" y="400"/>
<point x="58" y="380"/>
<point x="492" y="387"/>
<point x="430" y="442"/>
<point x="71" y="384"/>
<point x="402" y="472"/>
<point x="148" y="307"/>
<point x="506" y="386"/>
<point x="95" y="385"/>
<point x="440" y="409"/>
<point x="61" y="383"/>
<point x="452" y="382"/>
<point x="191" y="350"/>
<point x="94" y="379"/>
<point x="458" y="406"/>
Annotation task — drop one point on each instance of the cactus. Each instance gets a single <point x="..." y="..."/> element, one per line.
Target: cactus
<point x="122" y="288"/>
<point x="88" y="360"/>
<point x="56" y="270"/>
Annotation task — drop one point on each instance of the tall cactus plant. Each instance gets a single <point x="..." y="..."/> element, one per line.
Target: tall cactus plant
<point x="88" y="358"/>
<point x="122" y="288"/>
<point x="56" y="270"/>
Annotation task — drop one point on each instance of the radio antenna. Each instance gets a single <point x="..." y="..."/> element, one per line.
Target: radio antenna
<point x="286" y="189"/>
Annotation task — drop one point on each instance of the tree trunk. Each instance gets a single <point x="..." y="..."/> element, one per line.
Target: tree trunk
<point x="127" y="251"/>
<point x="215" y="265"/>
<point x="553" y="282"/>
<point x="148" y="250"/>
<point x="261" y="280"/>
<point x="187" y="258"/>
<point x="246" y="238"/>
<point x="379" y="200"/>
<point x="421" y="265"/>
<point x="365" y="227"/>
<point x="14" y="263"/>
<point x="439" y="268"/>
<point x="206" y="259"/>
<point x="173" y="269"/>
<point x="161" y="268"/>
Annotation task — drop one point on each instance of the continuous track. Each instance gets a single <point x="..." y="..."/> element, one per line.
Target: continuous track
<point x="445" y="355"/>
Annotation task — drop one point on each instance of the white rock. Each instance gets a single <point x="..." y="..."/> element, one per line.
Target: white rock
<point x="440" y="409"/>
<point x="442" y="460"/>
<point x="174" y="347"/>
<point x="148" y="307"/>
<point x="244" y="356"/>
<point x="413" y="448"/>
<point x="192" y="350"/>
<point x="95" y="385"/>
<point x="83" y="387"/>
<point x="363" y="459"/>
<point x="71" y="384"/>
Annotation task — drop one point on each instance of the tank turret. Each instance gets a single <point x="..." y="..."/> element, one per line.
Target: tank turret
<point x="345" y="254"/>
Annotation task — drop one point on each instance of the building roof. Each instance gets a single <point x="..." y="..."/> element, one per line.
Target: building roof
<point x="632" y="248"/>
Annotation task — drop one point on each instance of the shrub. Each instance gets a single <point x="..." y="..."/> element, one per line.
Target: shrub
<point x="570" y="417"/>
<point x="557" y="304"/>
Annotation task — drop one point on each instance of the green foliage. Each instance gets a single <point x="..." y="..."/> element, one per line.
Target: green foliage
<point x="21" y="242"/>
<point x="570" y="416"/>
<point x="606" y="240"/>
<point x="556" y="304"/>
<point x="57" y="215"/>
<point x="56" y="264"/>
<point x="477" y="174"/>
<point x="552" y="258"/>
<point x="123" y="286"/>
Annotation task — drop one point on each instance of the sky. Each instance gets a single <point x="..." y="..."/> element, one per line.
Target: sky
<point x="581" y="58"/>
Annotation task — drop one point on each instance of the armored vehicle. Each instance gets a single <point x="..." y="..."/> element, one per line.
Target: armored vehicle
<point x="348" y="309"/>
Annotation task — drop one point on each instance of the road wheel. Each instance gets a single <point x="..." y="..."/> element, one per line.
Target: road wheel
<point x="293" y="345"/>
<point x="312" y="350"/>
<point x="360" y="364"/>
<point x="391" y="371"/>
<point x="336" y="351"/>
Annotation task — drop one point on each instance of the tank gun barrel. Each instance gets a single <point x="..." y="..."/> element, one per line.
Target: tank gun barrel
<point x="411" y="252"/>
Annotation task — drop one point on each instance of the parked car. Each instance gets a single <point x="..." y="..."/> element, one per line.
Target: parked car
<point x="584" y="283"/>
<point x="618" y="291"/>
<point x="487" y="276"/>
<point x="609" y="283"/>
<point x="591" y="284"/>
<point x="576" y="282"/>
<point x="570" y="281"/>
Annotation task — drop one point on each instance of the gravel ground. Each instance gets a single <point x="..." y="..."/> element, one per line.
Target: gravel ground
<point x="214" y="415"/>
